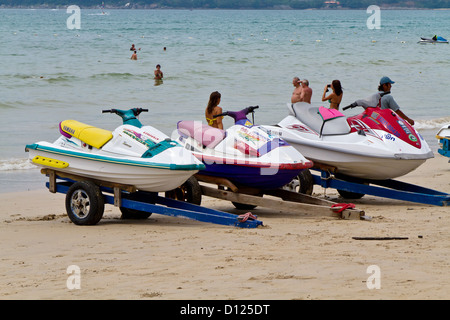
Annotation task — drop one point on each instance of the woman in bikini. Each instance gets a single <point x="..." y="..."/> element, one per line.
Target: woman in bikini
<point x="213" y="109"/>
<point x="335" y="97"/>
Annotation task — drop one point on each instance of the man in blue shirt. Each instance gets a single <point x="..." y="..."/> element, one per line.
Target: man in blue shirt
<point x="387" y="101"/>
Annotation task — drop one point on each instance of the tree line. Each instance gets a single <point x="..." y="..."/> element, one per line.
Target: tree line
<point x="228" y="4"/>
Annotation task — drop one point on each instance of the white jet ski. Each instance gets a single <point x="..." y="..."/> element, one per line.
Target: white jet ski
<point x="132" y="154"/>
<point x="375" y="145"/>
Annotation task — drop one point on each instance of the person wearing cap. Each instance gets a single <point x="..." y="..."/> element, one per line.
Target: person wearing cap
<point x="387" y="101"/>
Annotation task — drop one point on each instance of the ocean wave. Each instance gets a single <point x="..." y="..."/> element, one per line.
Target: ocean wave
<point x="431" y="123"/>
<point x="49" y="77"/>
<point x="113" y="75"/>
<point x="6" y="106"/>
<point x="16" y="164"/>
<point x="23" y="76"/>
<point x="60" y="78"/>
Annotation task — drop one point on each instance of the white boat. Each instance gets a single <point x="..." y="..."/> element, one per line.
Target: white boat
<point x="132" y="154"/>
<point x="375" y="145"/>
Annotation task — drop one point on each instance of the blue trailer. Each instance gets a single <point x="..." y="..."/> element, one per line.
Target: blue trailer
<point x="85" y="200"/>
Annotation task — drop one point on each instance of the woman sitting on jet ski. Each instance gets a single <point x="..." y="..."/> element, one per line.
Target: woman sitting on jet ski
<point x="213" y="109"/>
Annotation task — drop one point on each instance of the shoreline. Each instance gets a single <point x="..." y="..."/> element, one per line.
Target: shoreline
<point x="292" y="257"/>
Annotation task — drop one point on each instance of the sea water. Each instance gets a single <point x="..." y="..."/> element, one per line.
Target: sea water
<point x="52" y="70"/>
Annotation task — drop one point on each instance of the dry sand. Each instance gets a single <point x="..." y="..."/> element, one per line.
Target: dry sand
<point x="291" y="257"/>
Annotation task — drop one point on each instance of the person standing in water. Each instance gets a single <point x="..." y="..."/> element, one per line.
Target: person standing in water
<point x="158" y="73"/>
<point x="213" y="109"/>
<point x="306" y="91"/>
<point x="296" y="95"/>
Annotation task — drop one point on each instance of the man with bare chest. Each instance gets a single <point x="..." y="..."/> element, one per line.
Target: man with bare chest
<point x="302" y="91"/>
<point x="296" y="95"/>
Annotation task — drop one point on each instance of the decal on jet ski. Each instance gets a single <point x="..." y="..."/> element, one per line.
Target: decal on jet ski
<point x="385" y="123"/>
<point x="374" y="117"/>
<point x="389" y="137"/>
<point x="251" y="136"/>
<point x="152" y="137"/>
<point x="69" y="141"/>
<point x="272" y="134"/>
<point x="404" y="127"/>
<point x="358" y="125"/>
<point x="302" y="128"/>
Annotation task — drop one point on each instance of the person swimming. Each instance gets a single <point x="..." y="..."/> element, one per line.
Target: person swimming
<point x="213" y="109"/>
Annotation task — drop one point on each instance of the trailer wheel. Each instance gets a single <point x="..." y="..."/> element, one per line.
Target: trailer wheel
<point x="189" y="191"/>
<point x="134" y="214"/>
<point x="243" y="206"/>
<point x="303" y="183"/>
<point x="349" y="194"/>
<point x="84" y="203"/>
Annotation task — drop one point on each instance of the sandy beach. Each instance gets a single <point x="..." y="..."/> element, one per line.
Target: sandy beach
<point x="292" y="257"/>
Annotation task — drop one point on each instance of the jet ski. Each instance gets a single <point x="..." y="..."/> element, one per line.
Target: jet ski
<point x="132" y="154"/>
<point x="375" y="145"/>
<point x="443" y="136"/>
<point x="245" y="154"/>
<point x="433" y="40"/>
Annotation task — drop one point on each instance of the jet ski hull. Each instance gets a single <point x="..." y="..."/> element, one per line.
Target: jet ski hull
<point x="145" y="175"/>
<point x="255" y="175"/>
<point x="360" y="166"/>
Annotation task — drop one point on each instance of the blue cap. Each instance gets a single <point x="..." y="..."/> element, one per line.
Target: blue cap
<point x="385" y="80"/>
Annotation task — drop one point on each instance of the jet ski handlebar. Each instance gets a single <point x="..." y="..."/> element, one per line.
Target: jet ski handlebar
<point x="128" y="116"/>
<point x="350" y="106"/>
<point x="238" y="115"/>
<point x="136" y="111"/>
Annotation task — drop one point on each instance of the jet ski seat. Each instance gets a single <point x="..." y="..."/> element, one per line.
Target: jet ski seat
<point x="320" y="119"/>
<point x="203" y="133"/>
<point x="93" y="136"/>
